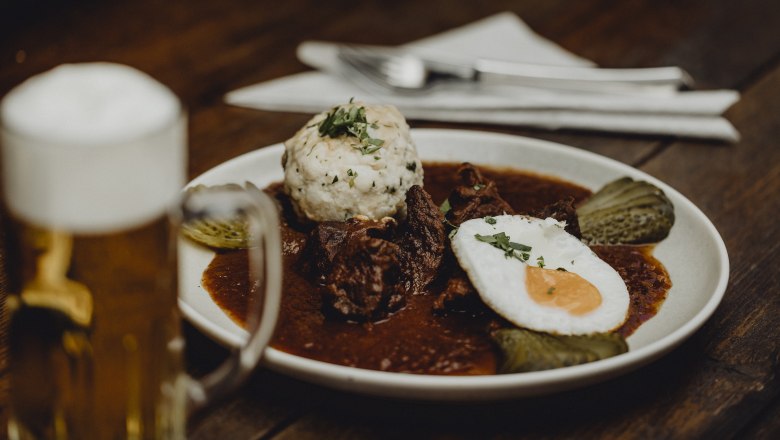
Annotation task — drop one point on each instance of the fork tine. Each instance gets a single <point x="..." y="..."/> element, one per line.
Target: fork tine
<point x="361" y="63"/>
<point x="386" y="71"/>
<point x="364" y="65"/>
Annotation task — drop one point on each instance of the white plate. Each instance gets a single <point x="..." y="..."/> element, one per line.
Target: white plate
<point x="694" y="256"/>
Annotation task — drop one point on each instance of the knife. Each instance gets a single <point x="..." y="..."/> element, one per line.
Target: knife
<point x="364" y="64"/>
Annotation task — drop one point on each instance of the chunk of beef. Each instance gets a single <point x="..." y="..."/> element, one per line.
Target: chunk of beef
<point x="367" y="270"/>
<point x="422" y="240"/>
<point x="328" y="239"/>
<point x="475" y="197"/>
<point x="458" y="296"/>
<point x="364" y="283"/>
<point x="563" y="211"/>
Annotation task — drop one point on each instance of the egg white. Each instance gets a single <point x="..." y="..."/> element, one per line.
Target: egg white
<point x="501" y="280"/>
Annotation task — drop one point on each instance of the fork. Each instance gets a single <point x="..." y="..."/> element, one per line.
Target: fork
<point x="398" y="71"/>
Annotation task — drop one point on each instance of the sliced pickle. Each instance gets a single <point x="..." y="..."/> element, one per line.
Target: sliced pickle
<point x="525" y="350"/>
<point x="222" y="234"/>
<point x="626" y="211"/>
<point x="228" y="233"/>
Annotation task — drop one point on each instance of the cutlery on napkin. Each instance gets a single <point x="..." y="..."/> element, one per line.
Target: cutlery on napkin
<point x="397" y="70"/>
<point x="695" y="114"/>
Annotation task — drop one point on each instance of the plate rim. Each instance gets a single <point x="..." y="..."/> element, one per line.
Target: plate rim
<point x="454" y="388"/>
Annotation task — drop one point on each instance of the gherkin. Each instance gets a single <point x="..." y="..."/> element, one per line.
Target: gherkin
<point x="223" y="234"/>
<point x="626" y="211"/>
<point x="525" y="350"/>
<point x="228" y="233"/>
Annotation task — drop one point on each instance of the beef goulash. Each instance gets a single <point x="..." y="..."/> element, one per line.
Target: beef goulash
<point x="426" y="287"/>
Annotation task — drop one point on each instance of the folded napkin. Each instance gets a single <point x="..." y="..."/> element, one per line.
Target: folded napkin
<point x="504" y="36"/>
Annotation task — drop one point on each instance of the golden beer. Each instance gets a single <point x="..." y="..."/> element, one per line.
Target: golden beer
<point x="95" y="347"/>
<point x="93" y="165"/>
<point x="95" y="350"/>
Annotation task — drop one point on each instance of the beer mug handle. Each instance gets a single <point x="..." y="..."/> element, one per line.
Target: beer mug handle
<point x="265" y="264"/>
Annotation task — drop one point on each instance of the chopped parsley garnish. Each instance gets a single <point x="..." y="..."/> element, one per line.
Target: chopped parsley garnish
<point x="350" y="121"/>
<point x="351" y="177"/>
<point x="445" y="206"/>
<point x="510" y="248"/>
<point x="540" y="261"/>
<point x="490" y="220"/>
<point x="550" y="290"/>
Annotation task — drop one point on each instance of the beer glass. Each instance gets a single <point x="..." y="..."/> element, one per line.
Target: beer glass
<point x="93" y="164"/>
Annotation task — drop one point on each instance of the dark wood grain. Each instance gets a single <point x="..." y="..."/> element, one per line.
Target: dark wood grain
<point x="766" y="425"/>
<point x="741" y="184"/>
<point x="721" y="383"/>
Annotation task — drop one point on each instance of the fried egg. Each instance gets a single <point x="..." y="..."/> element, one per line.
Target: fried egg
<point x="539" y="277"/>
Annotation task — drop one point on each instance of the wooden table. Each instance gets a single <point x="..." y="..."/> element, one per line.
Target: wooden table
<point x="721" y="383"/>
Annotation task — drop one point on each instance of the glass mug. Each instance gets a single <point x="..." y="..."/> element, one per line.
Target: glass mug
<point x="93" y="207"/>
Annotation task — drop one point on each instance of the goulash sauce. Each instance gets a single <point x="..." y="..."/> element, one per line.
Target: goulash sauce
<point x="414" y="339"/>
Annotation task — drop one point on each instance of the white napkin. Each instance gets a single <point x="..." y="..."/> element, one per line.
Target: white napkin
<point x="504" y="36"/>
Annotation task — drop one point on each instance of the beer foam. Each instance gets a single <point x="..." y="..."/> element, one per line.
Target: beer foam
<point x="93" y="147"/>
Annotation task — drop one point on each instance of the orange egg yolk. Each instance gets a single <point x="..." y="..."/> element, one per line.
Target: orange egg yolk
<point x="561" y="289"/>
